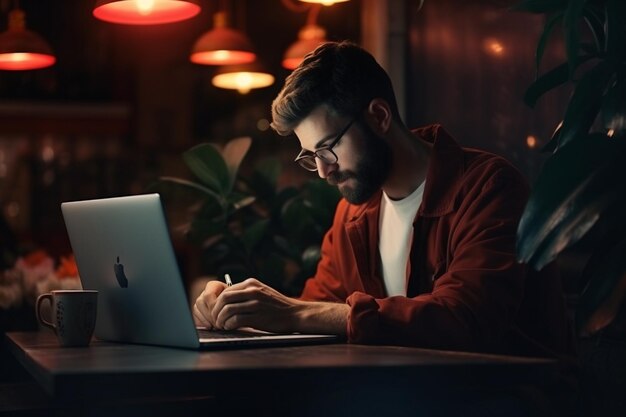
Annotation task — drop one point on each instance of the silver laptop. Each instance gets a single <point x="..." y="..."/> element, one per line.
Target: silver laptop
<point x="123" y="249"/>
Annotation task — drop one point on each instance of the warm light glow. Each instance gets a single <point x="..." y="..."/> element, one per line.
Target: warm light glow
<point x="243" y="81"/>
<point x="144" y="7"/>
<point x="309" y="38"/>
<point x="610" y="133"/>
<point x="21" y="61"/>
<point x="145" y="12"/>
<point x="531" y="141"/>
<point x="222" y="57"/>
<point x="493" y="47"/>
<point x="324" y="2"/>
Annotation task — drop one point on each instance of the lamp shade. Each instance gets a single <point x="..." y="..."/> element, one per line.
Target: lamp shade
<point x="145" y="12"/>
<point x="309" y="38"/>
<point x="222" y="45"/>
<point x="21" y="49"/>
<point x="243" y="77"/>
<point x="324" y="2"/>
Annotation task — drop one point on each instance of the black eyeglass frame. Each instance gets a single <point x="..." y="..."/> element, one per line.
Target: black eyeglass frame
<point x="305" y="159"/>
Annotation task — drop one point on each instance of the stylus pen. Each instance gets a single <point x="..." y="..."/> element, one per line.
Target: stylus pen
<point x="229" y="282"/>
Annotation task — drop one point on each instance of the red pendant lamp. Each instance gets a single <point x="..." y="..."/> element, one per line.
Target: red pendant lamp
<point x="145" y="12"/>
<point x="222" y="45"/>
<point x="310" y="37"/>
<point x="21" y="49"/>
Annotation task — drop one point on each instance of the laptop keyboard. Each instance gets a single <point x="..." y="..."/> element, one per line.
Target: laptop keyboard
<point x="227" y="334"/>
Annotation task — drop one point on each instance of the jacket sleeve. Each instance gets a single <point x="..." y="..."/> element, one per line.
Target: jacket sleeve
<point x="476" y="298"/>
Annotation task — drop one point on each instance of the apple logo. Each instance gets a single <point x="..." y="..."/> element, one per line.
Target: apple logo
<point x="119" y="274"/>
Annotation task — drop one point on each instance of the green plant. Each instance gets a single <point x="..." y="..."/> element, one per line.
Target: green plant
<point x="583" y="181"/>
<point x="246" y="225"/>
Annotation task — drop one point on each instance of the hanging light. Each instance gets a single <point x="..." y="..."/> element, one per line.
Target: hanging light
<point x="243" y="77"/>
<point x="309" y="38"/>
<point x="324" y="2"/>
<point x="145" y="12"/>
<point x="21" y="49"/>
<point x="222" y="45"/>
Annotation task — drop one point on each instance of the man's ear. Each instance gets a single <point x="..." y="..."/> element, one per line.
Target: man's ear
<point x="380" y="115"/>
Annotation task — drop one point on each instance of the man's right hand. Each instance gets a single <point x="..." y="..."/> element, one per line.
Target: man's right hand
<point x="205" y="303"/>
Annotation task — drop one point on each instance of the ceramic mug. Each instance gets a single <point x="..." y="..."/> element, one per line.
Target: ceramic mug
<point x="73" y="315"/>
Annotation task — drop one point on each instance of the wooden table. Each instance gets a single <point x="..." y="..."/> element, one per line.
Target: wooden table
<point x="337" y="379"/>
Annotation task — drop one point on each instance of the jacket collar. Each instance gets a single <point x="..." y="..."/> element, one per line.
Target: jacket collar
<point x="446" y="167"/>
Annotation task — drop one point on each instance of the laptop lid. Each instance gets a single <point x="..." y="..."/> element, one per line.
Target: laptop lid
<point x="123" y="249"/>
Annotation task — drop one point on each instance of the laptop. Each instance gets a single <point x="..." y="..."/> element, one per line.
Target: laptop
<point x="123" y="249"/>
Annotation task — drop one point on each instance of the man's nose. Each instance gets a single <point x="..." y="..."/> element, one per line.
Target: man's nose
<point x="323" y="168"/>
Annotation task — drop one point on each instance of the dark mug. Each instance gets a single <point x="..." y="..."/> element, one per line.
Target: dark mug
<point x="73" y="315"/>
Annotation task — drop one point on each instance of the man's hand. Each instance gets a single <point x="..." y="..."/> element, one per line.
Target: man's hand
<point x="205" y="303"/>
<point x="254" y="304"/>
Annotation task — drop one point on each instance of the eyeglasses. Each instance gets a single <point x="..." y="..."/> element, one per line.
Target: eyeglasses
<point x="306" y="159"/>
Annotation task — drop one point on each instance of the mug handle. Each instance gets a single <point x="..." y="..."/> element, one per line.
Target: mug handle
<point x="40" y="299"/>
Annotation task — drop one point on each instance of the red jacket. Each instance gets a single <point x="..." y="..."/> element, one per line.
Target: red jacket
<point x="465" y="289"/>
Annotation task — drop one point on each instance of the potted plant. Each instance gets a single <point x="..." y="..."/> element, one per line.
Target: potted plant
<point x="246" y="225"/>
<point x="581" y="190"/>
<point x="583" y="180"/>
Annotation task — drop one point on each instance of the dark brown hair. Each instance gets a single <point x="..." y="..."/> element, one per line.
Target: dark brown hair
<point x="341" y="75"/>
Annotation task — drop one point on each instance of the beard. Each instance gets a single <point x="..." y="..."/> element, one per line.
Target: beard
<point x="371" y="171"/>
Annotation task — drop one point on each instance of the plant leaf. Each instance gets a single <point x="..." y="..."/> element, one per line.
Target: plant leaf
<point x="574" y="188"/>
<point x="254" y="233"/>
<point x="614" y="106"/>
<point x="585" y="104"/>
<point x="551" y="79"/>
<point x="162" y="182"/>
<point x="269" y="169"/>
<point x="543" y="39"/>
<point x="572" y="16"/>
<point x="206" y="162"/>
<point x="616" y="30"/>
<point x="604" y="293"/>
<point x="595" y="22"/>
<point x="540" y="6"/>
<point x="553" y="143"/>
<point x="233" y="153"/>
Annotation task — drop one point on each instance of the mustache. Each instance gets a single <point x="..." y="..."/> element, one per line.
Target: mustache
<point x="337" y="177"/>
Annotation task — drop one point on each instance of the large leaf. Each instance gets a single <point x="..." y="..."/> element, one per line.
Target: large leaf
<point x="573" y="14"/>
<point x="206" y="162"/>
<point x="168" y="185"/>
<point x="616" y="31"/>
<point x="614" y="106"/>
<point x="575" y="186"/>
<point x="585" y="103"/>
<point x="543" y="39"/>
<point x="602" y="297"/>
<point x="254" y="233"/>
<point x="551" y="79"/>
<point x="553" y="143"/>
<point x="233" y="153"/>
<point x="595" y="21"/>
<point x="557" y="76"/>
<point x="541" y="6"/>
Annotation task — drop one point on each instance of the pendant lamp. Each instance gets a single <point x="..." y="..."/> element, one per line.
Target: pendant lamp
<point x="309" y="37"/>
<point x="243" y="77"/>
<point x="324" y="2"/>
<point x="145" y="12"/>
<point x="21" y="49"/>
<point x="222" y="45"/>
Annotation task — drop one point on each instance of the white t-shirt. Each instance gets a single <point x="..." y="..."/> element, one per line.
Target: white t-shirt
<point x="396" y="237"/>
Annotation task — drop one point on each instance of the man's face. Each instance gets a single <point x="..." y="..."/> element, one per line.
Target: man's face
<point x="363" y="157"/>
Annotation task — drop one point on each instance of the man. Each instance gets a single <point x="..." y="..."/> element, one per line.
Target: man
<point x="422" y="248"/>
